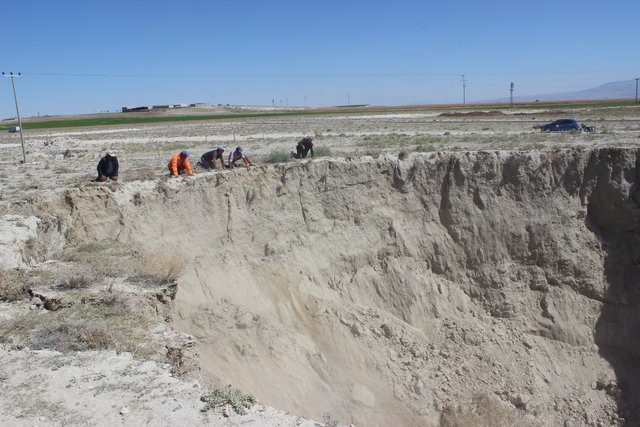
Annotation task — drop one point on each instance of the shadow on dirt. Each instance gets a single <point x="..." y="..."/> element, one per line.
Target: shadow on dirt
<point x="614" y="215"/>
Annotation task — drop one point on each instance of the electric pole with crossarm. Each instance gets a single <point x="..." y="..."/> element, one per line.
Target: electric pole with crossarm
<point x="15" y="98"/>
<point x="464" y="91"/>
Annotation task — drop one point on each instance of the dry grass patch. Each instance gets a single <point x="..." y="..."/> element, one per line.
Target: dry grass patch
<point x="83" y="326"/>
<point x="78" y="280"/>
<point x="159" y="268"/>
<point x="109" y="258"/>
<point x="104" y="258"/>
<point x="12" y="285"/>
<point x="425" y="148"/>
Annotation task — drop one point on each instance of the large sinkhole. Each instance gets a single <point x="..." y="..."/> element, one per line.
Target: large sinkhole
<point x="388" y="292"/>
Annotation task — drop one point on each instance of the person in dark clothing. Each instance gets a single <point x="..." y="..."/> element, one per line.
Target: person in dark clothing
<point x="108" y="168"/>
<point x="304" y="146"/>
<point x="208" y="160"/>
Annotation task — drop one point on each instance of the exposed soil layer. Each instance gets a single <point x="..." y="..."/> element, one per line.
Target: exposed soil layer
<point x="390" y="292"/>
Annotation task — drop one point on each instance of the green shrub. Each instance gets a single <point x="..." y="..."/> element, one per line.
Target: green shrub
<point x="223" y="396"/>
<point x="322" y="152"/>
<point x="278" y="156"/>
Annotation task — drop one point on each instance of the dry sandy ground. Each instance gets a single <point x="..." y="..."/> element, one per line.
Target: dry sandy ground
<point x="58" y="158"/>
<point x="263" y="333"/>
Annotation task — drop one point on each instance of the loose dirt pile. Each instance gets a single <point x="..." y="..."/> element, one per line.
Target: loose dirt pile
<point x="446" y="288"/>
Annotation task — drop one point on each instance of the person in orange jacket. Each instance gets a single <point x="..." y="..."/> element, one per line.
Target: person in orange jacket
<point x="179" y="164"/>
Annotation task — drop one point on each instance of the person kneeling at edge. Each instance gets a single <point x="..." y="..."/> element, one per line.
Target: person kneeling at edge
<point x="208" y="159"/>
<point x="305" y="145"/>
<point x="108" y="168"/>
<point x="179" y="164"/>
<point x="238" y="154"/>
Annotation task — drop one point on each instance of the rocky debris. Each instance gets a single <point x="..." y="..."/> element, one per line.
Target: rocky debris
<point x="182" y="354"/>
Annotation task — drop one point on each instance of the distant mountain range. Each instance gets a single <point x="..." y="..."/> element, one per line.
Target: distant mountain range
<point x="612" y="90"/>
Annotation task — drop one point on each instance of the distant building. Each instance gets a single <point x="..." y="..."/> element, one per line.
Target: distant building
<point x="134" y="109"/>
<point x="161" y="107"/>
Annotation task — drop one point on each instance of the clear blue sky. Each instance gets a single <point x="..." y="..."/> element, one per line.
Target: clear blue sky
<point x="88" y="56"/>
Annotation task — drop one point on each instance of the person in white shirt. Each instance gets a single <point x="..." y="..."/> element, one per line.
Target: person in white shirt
<point x="238" y="154"/>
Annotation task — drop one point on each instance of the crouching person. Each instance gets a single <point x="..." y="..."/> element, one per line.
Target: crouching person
<point x="179" y="164"/>
<point x="305" y="146"/>
<point x="108" y="168"/>
<point x="208" y="159"/>
<point x="238" y="154"/>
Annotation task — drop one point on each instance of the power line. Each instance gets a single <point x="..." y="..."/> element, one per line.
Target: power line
<point x="296" y="75"/>
<point x="264" y="75"/>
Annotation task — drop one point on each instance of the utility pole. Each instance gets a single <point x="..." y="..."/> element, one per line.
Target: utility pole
<point x="511" y="95"/>
<point x="11" y="75"/>
<point x="464" y="91"/>
<point x="637" y="78"/>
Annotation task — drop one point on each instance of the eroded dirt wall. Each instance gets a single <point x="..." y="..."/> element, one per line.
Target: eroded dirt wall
<point x="385" y="290"/>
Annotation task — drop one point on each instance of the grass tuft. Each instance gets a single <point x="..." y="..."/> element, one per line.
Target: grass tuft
<point x="161" y="268"/>
<point x="278" y="156"/>
<point x="223" y="396"/>
<point x="12" y="285"/>
<point x="322" y="152"/>
<point x="79" y="280"/>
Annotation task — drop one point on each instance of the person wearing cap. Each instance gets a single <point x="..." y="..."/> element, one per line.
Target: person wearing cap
<point x="108" y="168"/>
<point x="208" y="159"/>
<point x="305" y="145"/>
<point x="179" y="164"/>
<point x="238" y="154"/>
